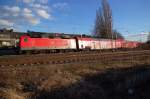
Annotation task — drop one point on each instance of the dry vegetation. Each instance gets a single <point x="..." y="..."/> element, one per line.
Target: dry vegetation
<point x="77" y="81"/>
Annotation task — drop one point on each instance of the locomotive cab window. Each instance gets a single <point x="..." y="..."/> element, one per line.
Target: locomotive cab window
<point x="25" y="39"/>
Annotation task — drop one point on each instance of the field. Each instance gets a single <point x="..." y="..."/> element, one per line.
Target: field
<point x="115" y="79"/>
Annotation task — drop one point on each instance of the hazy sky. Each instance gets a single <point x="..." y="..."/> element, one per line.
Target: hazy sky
<point x="73" y="16"/>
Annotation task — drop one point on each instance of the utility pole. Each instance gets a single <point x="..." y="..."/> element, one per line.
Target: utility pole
<point x="116" y="41"/>
<point x="142" y="32"/>
<point x="148" y="40"/>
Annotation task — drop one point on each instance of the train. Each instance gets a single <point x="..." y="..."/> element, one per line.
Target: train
<point x="28" y="43"/>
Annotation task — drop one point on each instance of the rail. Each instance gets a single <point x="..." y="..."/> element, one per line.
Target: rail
<point x="30" y="60"/>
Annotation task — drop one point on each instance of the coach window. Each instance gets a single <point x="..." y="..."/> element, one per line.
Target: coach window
<point x="81" y="46"/>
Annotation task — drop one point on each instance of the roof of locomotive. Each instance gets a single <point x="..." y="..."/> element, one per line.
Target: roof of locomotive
<point x="32" y="33"/>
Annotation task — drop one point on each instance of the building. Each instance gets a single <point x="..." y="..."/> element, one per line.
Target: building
<point x="9" y="38"/>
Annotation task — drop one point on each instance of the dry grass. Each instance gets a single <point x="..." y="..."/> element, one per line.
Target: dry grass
<point x="72" y="81"/>
<point x="10" y="94"/>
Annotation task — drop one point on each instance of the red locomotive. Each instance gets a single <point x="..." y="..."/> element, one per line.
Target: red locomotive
<point x="28" y="43"/>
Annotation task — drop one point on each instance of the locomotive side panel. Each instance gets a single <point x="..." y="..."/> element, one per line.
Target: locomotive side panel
<point x="72" y="44"/>
<point x="46" y="43"/>
<point x="25" y="43"/>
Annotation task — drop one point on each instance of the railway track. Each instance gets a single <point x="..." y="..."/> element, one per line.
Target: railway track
<point x="64" y="58"/>
<point x="69" y="53"/>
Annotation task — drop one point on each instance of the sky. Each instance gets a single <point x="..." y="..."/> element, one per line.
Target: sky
<point x="130" y="17"/>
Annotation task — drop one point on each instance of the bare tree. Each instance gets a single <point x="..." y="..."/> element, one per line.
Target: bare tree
<point x="103" y="23"/>
<point x="99" y="24"/>
<point x="117" y="35"/>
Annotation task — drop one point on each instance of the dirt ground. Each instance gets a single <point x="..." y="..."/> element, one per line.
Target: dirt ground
<point x="77" y="81"/>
